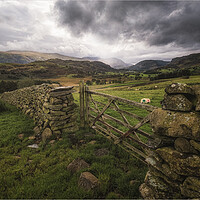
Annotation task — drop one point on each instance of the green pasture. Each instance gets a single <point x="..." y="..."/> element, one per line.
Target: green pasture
<point x="42" y="173"/>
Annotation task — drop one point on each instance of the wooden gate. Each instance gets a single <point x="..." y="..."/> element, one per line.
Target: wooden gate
<point x="124" y="128"/>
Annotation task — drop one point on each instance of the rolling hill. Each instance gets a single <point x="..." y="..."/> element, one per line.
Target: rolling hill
<point x="23" y="57"/>
<point x="148" y="65"/>
<point x="189" y="61"/>
<point x="53" y="68"/>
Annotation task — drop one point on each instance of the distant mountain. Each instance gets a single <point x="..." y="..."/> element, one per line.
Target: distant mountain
<point x="189" y="61"/>
<point x="52" y="68"/>
<point x="148" y="65"/>
<point x="91" y="58"/>
<point x="23" y="57"/>
<point x="113" y="62"/>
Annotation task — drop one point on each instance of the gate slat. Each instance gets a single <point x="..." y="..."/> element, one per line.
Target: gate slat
<point x="122" y="111"/>
<point x="102" y="112"/>
<point x="134" y="103"/>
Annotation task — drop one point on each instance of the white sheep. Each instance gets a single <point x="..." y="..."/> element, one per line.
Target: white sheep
<point x="145" y="100"/>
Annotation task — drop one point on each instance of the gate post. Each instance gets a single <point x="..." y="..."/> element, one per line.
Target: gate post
<point x="87" y="99"/>
<point x="82" y="107"/>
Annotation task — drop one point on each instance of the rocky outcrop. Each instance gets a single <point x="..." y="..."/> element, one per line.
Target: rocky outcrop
<point x="174" y="166"/>
<point x="51" y="107"/>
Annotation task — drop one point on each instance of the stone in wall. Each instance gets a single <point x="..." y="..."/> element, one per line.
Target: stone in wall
<point x="184" y="146"/>
<point x="177" y="102"/>
<point x="191" y="187"/>
<point x="179" y="88"/>
<point x="176" y="124"/>
<point x="179" y="97"/>
<point x="180" y="163"/>
<point x="159" y="189"/>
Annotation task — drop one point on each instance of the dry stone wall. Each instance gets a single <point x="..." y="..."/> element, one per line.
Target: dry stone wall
<point x="52" y="108"/>
<point x="174" y="167"/>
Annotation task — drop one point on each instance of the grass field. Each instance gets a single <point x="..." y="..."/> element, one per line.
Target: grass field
<point x="42" y="173"/>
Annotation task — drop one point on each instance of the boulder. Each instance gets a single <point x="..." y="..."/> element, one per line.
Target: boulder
<point x="88" y="181"/>
<point x="176" y="124"/>
<point x="191" y="187"/>
<point x="182" y="164"/>
<point x="177" y="102"/>
<point x="46" y="134"/>
<point x="179" y="88"/>
<point x="77" y="165"/>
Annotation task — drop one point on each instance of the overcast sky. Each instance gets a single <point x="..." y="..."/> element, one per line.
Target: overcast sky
<point x="129" y="30"/>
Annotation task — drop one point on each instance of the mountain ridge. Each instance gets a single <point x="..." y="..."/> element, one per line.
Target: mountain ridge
<point x="52" y="68"/>
<point x="148" y="65"/>
<point x="24" y="57"/>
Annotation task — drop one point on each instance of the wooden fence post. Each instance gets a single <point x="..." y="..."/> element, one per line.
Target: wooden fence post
<point x="82" y="107"/>
<point x="87" y="99"/>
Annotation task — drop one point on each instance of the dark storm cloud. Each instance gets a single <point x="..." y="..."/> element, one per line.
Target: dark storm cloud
<point x="157" y="23"/>
<point x="80" y="16"/>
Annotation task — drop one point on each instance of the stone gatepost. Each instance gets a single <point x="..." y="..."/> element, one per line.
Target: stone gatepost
<point x="174" y="167"/>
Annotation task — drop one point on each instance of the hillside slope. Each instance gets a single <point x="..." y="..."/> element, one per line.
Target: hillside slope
<point x="148" y="65"/>
<point x="53" y="68"/>
<point x="23" y="57"/>
<point x="189" y="61"/>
